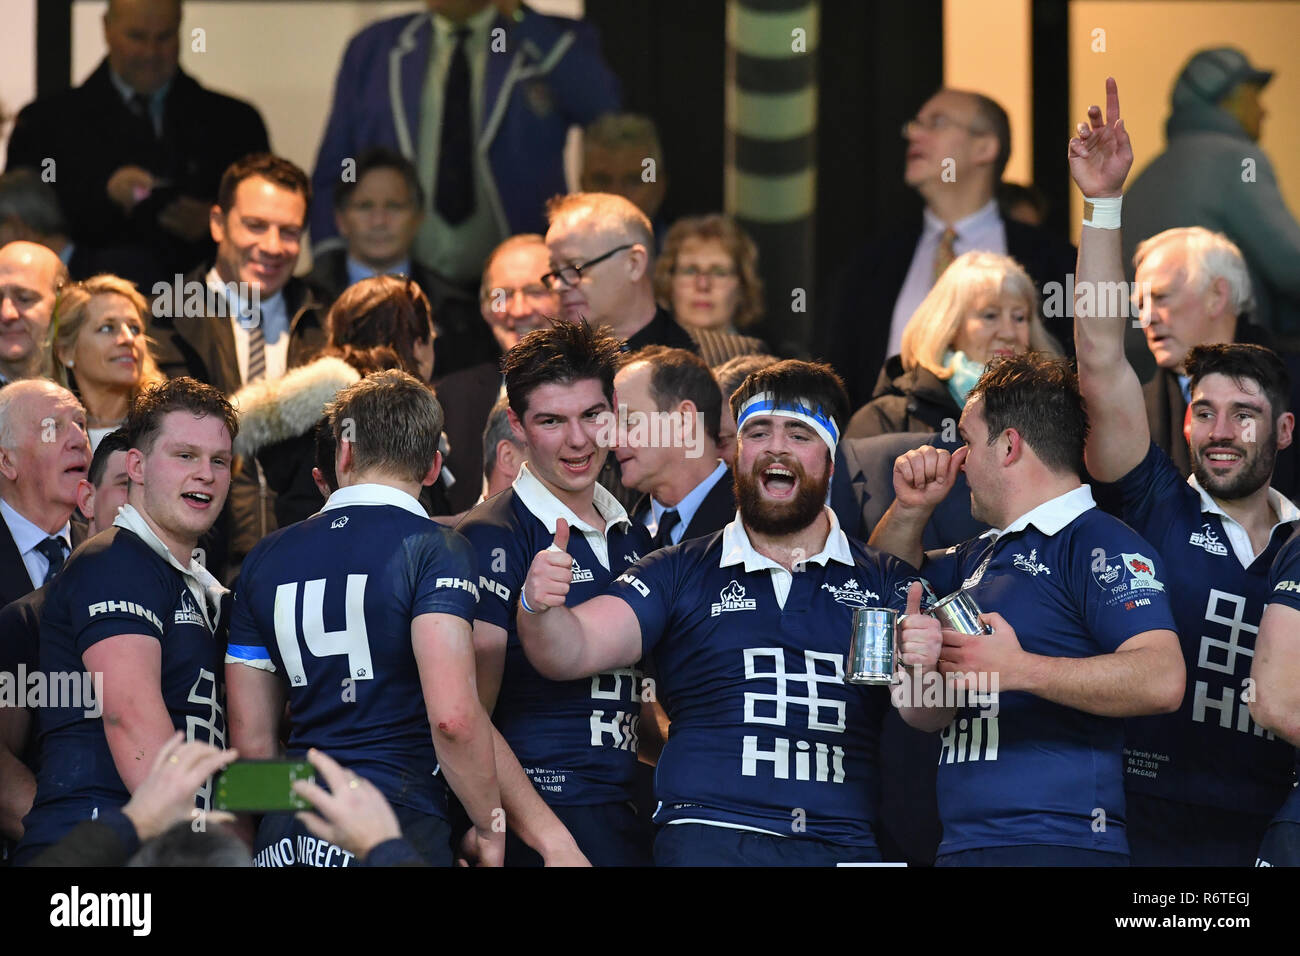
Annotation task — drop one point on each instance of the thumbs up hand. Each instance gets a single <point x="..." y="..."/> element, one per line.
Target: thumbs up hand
<point x="550" y="574"/>
<point x="920" y="638"/>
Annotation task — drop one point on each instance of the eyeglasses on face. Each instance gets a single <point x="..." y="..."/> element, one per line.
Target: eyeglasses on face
<point x="716" y="273"/>
<point x="937" y="123"/>
<point x="571" y="275"/>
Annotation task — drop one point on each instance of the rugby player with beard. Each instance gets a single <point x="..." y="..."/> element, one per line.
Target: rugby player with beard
<point x="1202" y="783"/>
<point x="772" y="758"/>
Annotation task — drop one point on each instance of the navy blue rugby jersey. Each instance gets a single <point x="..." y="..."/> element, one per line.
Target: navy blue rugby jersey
<point x="1073" y="582"/>
<point x="576" y="740"/>
<point x="327" y="604"/>
<point x="1210" y="752"/>
<point x="117" y="583"/>
<point x="1284" y="581"/>
<point x="765" y="733"/>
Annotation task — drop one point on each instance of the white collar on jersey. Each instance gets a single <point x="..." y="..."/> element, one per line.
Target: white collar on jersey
<point x="374" y="494"/>
<point x="1052" y="515"/>
<point x="547" y="508"/>
<point x="1283" y="506"/>
<point x="198" y="578"/>
<point x="1238" y="536"/>
<point x="736" y="547"/>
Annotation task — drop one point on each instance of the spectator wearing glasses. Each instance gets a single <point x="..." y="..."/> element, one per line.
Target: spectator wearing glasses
<point x="513" y="301"/>
<point x="602" y="267"/>
<point x="378" y="215"/>
<point x="708" y="276"/>
<point x="957" y="149"/>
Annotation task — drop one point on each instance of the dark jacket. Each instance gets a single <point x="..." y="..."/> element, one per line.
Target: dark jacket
<point x="14" y="580"/>
<point x="716" y="511"/>
<point x="914" y="401"/>
<point x="853" y="331"/>
<point x="662" y="330"/>
<point x="862" y="489"/>
<point x="203" y="347"/>
<point x="464" y="339"/>
<point x="467" y="398"/>
<point x="89" y="132"/>
<point x="548" y="76"/>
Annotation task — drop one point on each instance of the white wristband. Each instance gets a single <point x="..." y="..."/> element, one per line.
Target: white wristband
<point x="1102" y="213"/>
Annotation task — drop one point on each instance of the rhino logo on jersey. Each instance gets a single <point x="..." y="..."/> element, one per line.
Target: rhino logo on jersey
<point x="732" y="598"/>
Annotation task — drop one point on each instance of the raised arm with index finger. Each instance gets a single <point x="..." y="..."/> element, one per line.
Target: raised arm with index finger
<point x="1100" y="159"/>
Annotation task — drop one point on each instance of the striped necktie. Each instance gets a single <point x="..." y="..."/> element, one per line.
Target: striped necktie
<point x="944" y="255"/>
<point x="256" y="353"/>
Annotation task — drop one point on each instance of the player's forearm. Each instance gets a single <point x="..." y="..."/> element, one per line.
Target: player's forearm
<point x="467" y="755"/>
<point x="134" y="738"/>
<point x="909" y="699"/>
<point x="1100" y="311"/>
<point x="17" y="791"/>
<point x="1132" y="683"/>
<point x="899" y="532"/>
<point x="553" y="642"/>
<point x="526" y="812"/>
<point x="1275" y="704"/>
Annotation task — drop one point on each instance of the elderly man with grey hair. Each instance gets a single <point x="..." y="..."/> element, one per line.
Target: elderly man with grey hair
<point x="44" y="455"/>
<point x="1193" y="288"/>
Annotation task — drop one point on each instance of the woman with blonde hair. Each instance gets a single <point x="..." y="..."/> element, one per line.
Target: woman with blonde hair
<point x="983" y="306"/>
<point x="100" y="349"/>
<point x="707" y="275"/>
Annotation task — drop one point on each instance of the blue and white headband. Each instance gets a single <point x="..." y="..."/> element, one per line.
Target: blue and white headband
<point x="764" y="403"/>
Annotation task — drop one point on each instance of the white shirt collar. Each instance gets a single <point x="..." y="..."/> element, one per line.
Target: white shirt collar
<point x="478" y="24"/>
<point x="1052" y="515"/>
<point x="690" y="504"/>
<point x="981" y="218"/>
<point x="547" y="508"/>
<point x="374" y="494"/>
<point x="1283" y="507"/>
<point x="199" y="579"/>
<point x="27" y="535"/>
<point x="737" y="549"/>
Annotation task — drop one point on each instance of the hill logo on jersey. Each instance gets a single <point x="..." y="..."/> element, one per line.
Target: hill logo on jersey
<point x="580" y="574"/>
<point x="852" y="594"/>
<point x="732" y="598"/>
<point x="188" y="612"/>
<point x="1030" y="564"/>
<point x="339" y="522"/>
<point x="1208" y="540"/>
<point x="814" y="760"/>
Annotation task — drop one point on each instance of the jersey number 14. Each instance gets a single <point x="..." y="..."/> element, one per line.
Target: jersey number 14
<point x="352" y="640"/>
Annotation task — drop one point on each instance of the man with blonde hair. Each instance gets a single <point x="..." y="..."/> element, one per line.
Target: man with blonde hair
<point x="602" y="261"/>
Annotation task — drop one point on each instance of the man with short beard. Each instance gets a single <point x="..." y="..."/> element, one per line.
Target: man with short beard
<point x="772" y="758"/>
<point x="1202" y="783"/>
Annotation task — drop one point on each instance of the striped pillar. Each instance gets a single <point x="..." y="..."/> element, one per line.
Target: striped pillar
<point x="771" y="174"/>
